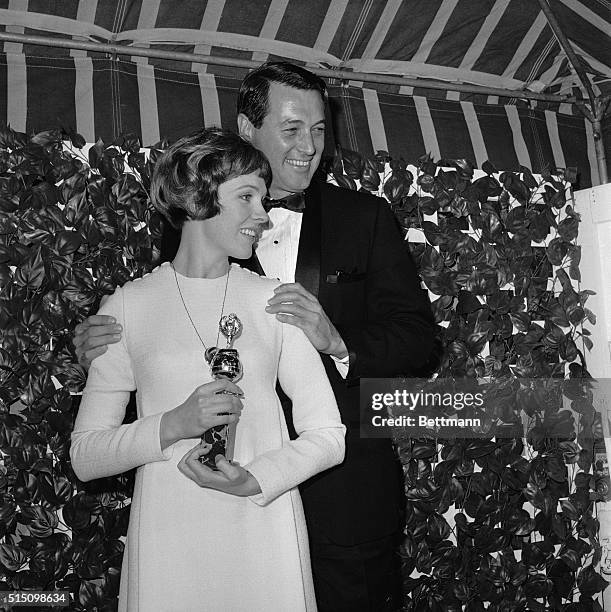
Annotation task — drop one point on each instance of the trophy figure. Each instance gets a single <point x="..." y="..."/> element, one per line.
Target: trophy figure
<point x="224" y="363"/>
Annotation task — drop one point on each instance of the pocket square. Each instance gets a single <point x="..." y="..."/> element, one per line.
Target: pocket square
<point x="341" y="276"/>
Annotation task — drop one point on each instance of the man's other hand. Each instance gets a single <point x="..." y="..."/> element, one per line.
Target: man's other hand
<point x="92" y="337"/>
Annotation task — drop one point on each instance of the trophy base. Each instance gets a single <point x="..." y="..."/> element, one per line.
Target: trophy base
<point x="222" y="441"/>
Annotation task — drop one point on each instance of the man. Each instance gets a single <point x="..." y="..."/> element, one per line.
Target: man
<point x="351" y="286"/>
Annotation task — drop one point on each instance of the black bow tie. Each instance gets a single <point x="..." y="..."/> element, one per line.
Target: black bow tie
<point x="294" y="202"/>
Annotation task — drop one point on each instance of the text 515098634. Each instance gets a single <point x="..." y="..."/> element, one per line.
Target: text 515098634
<point x="60" y="599"/>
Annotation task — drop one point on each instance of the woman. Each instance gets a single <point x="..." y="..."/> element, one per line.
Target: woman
<point x="202" y="539"/>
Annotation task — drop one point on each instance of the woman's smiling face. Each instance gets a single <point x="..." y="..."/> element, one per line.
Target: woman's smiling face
<point x="234" y="231"/>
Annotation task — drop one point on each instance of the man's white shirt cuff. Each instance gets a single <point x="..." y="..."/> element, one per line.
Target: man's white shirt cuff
<point x="342" y="365"/>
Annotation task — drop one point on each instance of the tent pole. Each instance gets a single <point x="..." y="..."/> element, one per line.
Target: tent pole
<point x="595" y="117"/>
<point x="115" y="49"/>
<point x="598" y="104"/>
<point x="566" y="45"/>
<point x="601" y="156"/>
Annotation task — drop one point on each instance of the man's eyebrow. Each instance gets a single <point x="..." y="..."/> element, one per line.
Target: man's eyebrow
<point x="300" y="121"/>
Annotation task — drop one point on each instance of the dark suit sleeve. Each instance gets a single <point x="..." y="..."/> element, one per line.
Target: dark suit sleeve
<point x="397" y="336"/>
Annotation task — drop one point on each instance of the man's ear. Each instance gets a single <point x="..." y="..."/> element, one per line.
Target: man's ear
<point x="245" y="127"/>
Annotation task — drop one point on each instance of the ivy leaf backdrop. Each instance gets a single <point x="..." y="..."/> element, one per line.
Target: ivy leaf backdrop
<point x="503" y="524"/>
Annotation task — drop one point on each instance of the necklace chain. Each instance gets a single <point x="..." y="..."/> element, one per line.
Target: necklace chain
<point x="182" y="299"/>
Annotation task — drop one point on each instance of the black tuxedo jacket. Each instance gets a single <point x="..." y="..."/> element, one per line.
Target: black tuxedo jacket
<point x="352" y="256"/>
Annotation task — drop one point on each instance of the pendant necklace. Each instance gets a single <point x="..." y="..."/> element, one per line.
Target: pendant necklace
<point x="209" y="352"/>
<point x="224" y="364"/>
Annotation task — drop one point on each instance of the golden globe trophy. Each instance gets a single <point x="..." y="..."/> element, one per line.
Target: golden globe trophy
<point x="224" y="363"/>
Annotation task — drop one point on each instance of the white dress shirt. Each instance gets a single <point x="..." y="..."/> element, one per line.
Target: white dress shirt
<point x="277" y="254"/>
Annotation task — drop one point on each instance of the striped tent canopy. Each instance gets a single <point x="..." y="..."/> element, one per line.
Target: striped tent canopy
<point x="503" y="44"/>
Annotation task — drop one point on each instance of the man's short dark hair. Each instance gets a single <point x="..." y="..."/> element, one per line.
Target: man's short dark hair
<point x="189" y="173"/>
<point x="253" y="98"/>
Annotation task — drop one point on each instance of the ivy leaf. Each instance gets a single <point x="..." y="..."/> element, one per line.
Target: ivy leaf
<point x="567" y="286"/>
<point x="521" y="321"/>
<point x="353" y="163"/>
<point x="397" y="186"/>
<point x="538" y="586"/>
<point x="515" y="187"/>
<point x="568" y="228"/>
<point x="427" y="182"/>
<point x="345" y="181"/>
<point x="574" y="257"/>
<point x="428" y="205"/>
<point x="556" y="199"/>
<point x="490" y="540"/>
<point x="43" y="522"/>
<point x="517" y="220"/>
<point x="67" y="242"/>
<point x="488" y="168"/>
<point x="39" y="196"/>
<point x="467" y="303"/>
<point x="47" y="137"/>
<point x="472" y="504"/>
<point x="423" y="450"/>
<point x="91" y="594"/>
<point x="465" y="168"/>
<point x="433" y="233"/>
<point x="538" y="498"/>
<point x="131" y="144"/>
<point x="562" y="577"/>
<point x="438" y="528"/>
<point x="73" y="377"/>
<point x="95" y="153"/>
<point x="60" y="492"/>
<point x="137" y="161"/>
<point x="480" y="448"/>
<point x="568" y="350"/>
<point x="12" y="557"/>
<point x="77" y="209"/>
<point x="106" y="222"/>
<point x="98" y="192"/>
<point x="556" y="469"/>
<point x="462" y="592"/>
<point x="487" y="187"/>
<point x="539" y="227"/>
<point x="590" y="582"/>
<point x="129" y="195"/>
<point x="528" y="178"/>
<point x="31" y="273"/>
<point x="76" y="139"/>
<point x="569" y="509"/>
<point x="79" y="512"/>
<point x="370" y="179"/>
<point x="556" y="313"/>
<point x="519" y="522"/>
<point x="427" y="165"/>
<point x="112" y="164"/>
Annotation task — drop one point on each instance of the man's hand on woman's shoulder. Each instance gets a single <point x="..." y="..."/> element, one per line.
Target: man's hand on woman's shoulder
<point x="295" y="305"/>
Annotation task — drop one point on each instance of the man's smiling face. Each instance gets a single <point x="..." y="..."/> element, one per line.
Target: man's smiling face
<point x="292" y="137"/>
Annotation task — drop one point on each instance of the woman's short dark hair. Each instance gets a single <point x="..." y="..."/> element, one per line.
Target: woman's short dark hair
<point x="189" y="173"/>
<point x="253" y="98"/>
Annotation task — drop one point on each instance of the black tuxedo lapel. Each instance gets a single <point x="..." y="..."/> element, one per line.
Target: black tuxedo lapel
<point x="251" y="264"/>
<point x="307" y="271"/>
